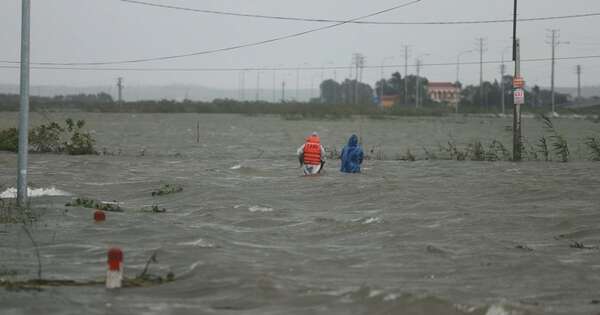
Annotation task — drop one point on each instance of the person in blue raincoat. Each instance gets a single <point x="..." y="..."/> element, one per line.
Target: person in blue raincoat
<point x="352" y="156"/>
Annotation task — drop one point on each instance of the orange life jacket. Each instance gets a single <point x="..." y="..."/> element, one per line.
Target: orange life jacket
<point x="312" y="150"/>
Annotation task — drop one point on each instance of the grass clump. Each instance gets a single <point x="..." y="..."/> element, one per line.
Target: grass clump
<point x="559" y="144"/>
<point x="167" y="189"/>
<point x="594" y="146"/>
<point x="94" y="204"/>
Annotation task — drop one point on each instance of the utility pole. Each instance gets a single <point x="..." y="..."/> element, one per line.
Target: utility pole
<point x="283" y="91"/>
<point x="502" y="71"/>
<point x="120" y="93"/>
<point x="406" y="47"/>
<point x="257" y="85"/>
<point x="24" y="105"/>
<point x="297" y="82"/>
<point x="578" y="83"/>
<point x="359" y="62"/>
<point x="418" y="82"/>
<point x="517" y="107"/>
<point x="243" y="85"/>
<point x="274" y="88"/>
<point x="554" y="42"/>
<point x="481" y="42"/>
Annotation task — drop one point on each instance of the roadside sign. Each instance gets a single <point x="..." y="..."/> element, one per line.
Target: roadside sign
<point x="519" y="95"/>
<point x="518" y="82"/>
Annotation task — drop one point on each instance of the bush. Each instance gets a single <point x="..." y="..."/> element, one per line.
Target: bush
<point x="9" y="140"/>
<point x="51" y="138"/>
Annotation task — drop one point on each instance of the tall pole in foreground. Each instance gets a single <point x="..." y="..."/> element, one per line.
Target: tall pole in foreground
<point x="24" y="109"/>
<point x="406" y="74"/>
<point x="516" y="108"/>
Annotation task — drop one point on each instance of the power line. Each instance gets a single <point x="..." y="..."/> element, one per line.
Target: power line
<point x="291" y="18"/>
<point x="266" y="68"/>
<point x="234" y="47"/>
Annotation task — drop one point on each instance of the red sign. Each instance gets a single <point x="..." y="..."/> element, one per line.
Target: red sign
<point x="519" y="95"/>
<point x="518" y="82"/>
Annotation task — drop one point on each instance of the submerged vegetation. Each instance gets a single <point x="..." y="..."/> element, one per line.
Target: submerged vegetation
<point x="167" y="189"/>
<point x="94" y="204"/>
<point x="52" y="138"/>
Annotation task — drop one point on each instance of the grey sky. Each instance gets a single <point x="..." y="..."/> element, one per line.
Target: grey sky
<point x="99" y="30"/>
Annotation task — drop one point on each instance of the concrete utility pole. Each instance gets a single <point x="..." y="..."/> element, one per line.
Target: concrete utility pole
<point x="406" y="47"/>
<point x="24" y="105"/>
<point x="578" y="83"/>
<point x="120" y="88"/>
<point x="359" y="62"/>
<point x="243" y="85"/>
<point x="517" y="135"/>
<point x="257" y="86"/>
<point x="418" y="83"/>
<point x="283" y="91"/>
<point x="502" y="71"/>
<point x="516" y="108"/>
<point x="274" y="88"/>
<point x="481" y="42"/>
<point x="554" y="42"/>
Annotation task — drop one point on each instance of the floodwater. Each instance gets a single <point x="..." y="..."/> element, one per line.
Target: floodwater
<point x="249" y="235"/>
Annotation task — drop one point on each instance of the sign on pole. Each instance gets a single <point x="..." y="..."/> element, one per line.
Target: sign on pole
<point x="518" y="82"/>
<point x="519" y="95"/>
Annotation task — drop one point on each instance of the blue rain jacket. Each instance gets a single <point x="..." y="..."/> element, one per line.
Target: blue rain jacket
<point x="352" y="156"/>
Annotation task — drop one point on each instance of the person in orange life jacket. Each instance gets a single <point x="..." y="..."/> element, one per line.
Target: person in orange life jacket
<point x="311" y="155"/>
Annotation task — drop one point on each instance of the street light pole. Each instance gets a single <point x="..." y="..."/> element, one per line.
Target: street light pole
<point x="24" y="105"/>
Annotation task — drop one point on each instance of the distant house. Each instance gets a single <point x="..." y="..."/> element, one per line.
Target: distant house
<point x="388" y="101"/>
<point x="444" y="92"/>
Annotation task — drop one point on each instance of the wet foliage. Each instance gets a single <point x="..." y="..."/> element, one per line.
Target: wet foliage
<point x="167" y="189"/>
<point x="94" y="204"/>
<point x="593" y="144"/>
<point x="52" y="138"/>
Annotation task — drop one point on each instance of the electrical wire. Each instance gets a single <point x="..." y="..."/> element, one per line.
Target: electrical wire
<point x="212" y="51"/>
<point x="231" y="69"/>
<point x="288" y="18"/>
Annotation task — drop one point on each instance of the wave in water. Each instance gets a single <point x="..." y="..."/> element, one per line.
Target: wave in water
<point x="34" y="192"/>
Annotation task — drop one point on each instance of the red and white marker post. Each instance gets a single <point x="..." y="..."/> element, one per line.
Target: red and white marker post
<point x="114" y="275"/>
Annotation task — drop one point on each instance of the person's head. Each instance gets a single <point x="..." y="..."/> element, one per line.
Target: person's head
<point x="353" y="141"/>
<point x="313" y="138"/>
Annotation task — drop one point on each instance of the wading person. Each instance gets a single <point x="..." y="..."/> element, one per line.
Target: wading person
<point x="312" y="155"/>
<point x="352" y="156"/>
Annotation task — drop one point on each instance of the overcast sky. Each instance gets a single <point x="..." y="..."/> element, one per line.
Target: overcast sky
<point x="112" y="30"/>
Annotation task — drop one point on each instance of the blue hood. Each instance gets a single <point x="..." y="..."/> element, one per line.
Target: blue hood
<point x="353" y="141"/>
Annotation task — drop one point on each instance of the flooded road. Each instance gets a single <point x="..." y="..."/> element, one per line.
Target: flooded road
<point x="249" y="235"/>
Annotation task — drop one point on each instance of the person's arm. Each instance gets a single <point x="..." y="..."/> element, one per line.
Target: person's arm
<point x="300" y="153"/>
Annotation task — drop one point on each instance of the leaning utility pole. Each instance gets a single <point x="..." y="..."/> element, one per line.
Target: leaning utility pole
<point x="24" y="105"/>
